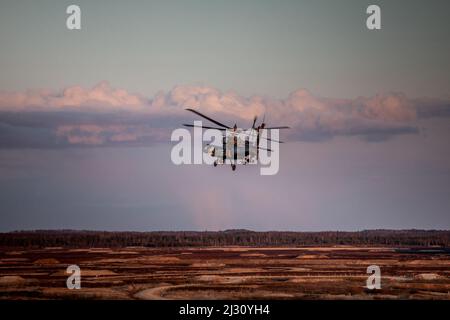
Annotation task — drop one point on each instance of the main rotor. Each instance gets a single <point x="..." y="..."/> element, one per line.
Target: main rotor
<point x="224" y="127"/>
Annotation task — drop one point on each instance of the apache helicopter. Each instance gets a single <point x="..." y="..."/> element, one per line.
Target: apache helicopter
<point x="242" y="145"/>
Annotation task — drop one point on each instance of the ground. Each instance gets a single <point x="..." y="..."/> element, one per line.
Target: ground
<point x="224" y="273"/>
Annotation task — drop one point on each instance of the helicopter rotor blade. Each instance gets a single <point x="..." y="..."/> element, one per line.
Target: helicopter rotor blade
<point x="208" y="118"/>
<point x="203" y="127"/>
<point x="261" y="148"/>
<point x="280" y="127"/>
<point x="272" y="140"/>
<point x="254" y="122"/>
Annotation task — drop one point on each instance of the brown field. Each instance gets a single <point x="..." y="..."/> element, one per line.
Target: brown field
<point x="224" y="273"/>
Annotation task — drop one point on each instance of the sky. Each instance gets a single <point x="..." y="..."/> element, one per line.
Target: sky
<point x="86" y="115"/>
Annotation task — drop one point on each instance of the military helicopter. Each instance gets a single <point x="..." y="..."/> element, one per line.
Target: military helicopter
<point x="240" y="146"/>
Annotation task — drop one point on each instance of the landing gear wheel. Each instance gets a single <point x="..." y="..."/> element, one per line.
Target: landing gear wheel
<point x="215" y="163"/>
<point x="233" y="167"/>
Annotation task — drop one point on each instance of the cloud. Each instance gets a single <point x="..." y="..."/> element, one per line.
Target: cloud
<point x="311" y="117"/>
<point x="103" y="115"/>
<point x="432" y="108"/>
<point x="92" y="134"/>
<point x="101" y="97"/>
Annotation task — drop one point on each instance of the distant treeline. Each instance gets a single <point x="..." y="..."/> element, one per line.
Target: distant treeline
<point x="71" y="238"/>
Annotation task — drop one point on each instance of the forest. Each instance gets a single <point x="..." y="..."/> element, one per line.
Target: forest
<point x="75" y="238"/>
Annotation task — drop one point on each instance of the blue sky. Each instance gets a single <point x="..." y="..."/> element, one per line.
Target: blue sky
<point x="86" y="116"/>
<point x="254" y="47"/>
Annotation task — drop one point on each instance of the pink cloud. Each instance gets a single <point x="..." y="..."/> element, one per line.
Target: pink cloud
<point x="102" y="96"/>
<point x="308" y="114"/>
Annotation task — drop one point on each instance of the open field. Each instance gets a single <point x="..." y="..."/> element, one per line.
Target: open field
<point x="335" y="272"/>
